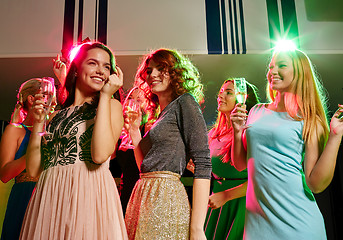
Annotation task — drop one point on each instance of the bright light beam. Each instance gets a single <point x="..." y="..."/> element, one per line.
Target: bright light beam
<point x="285" y="46"/>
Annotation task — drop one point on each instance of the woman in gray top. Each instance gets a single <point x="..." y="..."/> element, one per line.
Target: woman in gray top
<point x="159" y="207"/>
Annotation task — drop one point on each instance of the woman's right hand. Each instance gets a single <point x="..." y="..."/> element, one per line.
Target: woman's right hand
<point x="238" y="117"/>
<point x="132" y="122"/>
<point x="39" y="112"/>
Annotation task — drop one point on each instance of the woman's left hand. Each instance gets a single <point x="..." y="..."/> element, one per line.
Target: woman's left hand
<point x="336" y="124"/>
<point x="114" y="82"/>
<point x="216" y="200"/>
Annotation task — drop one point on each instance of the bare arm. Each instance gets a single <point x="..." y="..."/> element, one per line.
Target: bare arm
<point x="218" y="199"/>
<point x="132" y="122"/>
<point x="320" y="167"/>
<point x="33" y="153"/>
<point x="136" y="137"/>
<point x="108" y="122"/>
<point x="10" y="142"/>
<point x="201" y="189"/>
<point x="238" y="153"/>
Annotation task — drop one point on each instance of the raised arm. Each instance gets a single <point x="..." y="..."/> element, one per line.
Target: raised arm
<point x="33" y="152"/>
<point x="320" y="167"/>
<point x="60" y="69"/>
<point x="132" y="125"/>
<point x="108" y="122"/>
<point x="238" y="153"/>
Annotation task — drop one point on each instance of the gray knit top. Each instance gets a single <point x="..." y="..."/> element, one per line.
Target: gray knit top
<point x="179" y="134"/>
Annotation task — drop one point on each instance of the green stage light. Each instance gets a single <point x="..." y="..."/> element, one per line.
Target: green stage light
<point x="285" y="46"/>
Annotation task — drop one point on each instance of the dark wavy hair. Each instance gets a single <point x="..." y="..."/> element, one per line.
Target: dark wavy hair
<point x="184" y="77"/>
<point x="66" y="95"/>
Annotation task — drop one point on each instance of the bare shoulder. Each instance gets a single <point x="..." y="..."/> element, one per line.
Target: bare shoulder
<point x="16" y="130"/>
<point x="13" y="133"/>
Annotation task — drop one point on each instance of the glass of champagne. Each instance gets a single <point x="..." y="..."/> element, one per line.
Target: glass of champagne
<point x="240" y="90"/>
<point x="131" y="105"/>
<point x="48" y="90"/>
<point x="240" y="86"/>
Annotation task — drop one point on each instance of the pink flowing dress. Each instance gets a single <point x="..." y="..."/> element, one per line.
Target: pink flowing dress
<point x="74" y="197"/>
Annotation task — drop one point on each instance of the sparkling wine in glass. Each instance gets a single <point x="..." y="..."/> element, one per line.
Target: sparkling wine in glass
<point x="240" y="90"/>
<point x="48" y="90"/>
<point x="131" y="105"/>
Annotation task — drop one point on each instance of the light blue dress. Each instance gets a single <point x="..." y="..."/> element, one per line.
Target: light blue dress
<point x="279" y="203"/>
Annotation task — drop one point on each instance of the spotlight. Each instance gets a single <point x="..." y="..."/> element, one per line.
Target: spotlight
<point x="73" y="52"/>
<point x="285" y="46"/>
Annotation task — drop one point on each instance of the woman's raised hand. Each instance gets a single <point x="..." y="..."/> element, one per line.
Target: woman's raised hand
<point x="60" y="69"/>
<point x="336" y="124"/>
<point x="114" y="82"/>
<point x="39" y="112"/>
<point x="238" y="117"/>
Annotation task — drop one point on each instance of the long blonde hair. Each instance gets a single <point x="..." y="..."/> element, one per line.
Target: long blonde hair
<point x="30" y="87"/>
<point x="306" y="99"/>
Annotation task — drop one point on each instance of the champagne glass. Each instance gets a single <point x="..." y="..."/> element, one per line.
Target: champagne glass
<point x="240" y="90"/>
<point x="48" y="90"/>
<point x="240" y="86"/>
<point x="131" y="104"/>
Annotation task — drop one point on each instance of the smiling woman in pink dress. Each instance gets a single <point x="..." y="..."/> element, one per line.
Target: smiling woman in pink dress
<point x="76" y="196"/>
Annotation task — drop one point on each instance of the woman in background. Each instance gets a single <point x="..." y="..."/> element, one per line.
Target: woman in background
<point x="12" y="158"/>
<point x="226" y="212"/>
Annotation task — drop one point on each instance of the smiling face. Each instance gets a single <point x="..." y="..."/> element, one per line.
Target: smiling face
<point x="281" y="73"/>
<point x="158" y="79"/>
<point x="226" y="98"/>
<point x="94" y="70"/>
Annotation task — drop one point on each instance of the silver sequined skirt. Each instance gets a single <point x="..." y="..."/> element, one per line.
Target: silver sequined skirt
<point x="158" y="208"/>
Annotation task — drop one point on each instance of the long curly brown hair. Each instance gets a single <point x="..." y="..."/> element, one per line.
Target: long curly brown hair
<point x="184" y="77"/>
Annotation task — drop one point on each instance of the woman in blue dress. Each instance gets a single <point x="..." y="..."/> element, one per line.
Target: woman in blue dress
<point x="12" y="159"/>
<point x="291" y="152"/>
